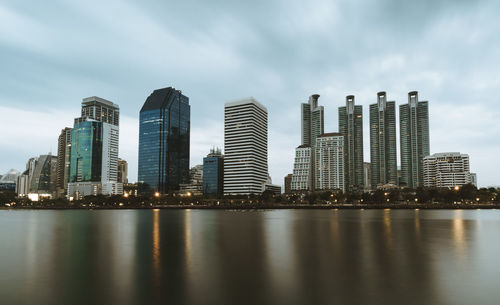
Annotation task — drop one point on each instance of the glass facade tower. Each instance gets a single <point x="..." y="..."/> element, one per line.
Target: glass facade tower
<point x="414" y="140"/>
<point x="383" y="155"/>
<point x="351" y="127"/>
<point x="213" y="173"/>
<point x="164" y="131"/>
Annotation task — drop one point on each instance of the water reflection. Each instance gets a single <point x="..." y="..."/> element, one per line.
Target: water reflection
<point x="249" y="257"/>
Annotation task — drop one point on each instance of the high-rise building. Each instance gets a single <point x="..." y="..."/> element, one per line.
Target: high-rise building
<point x="23" y="185"/>
<point x="473" y="179"/>
<point x="288" y="183"/>
<point x="414" y="140"/>
<point x="41" y="175"/>
<point x="94" y="150"/>
<point x="245" y="147"/>
<point x="312" y="125"/>
<point x="164" y="135"/>
<point x="122" y="171"/>
<point x="329" y="153"/>
<point x="446" y="170"/>
<point x="213" y="173"/>
<point x="351" y="127"/>
<point x="63" y="161"/>
<point x="383" y="155"/>
<point x="302" y="168"/>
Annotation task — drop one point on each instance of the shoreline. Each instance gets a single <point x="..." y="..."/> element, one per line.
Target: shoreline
<point x="272" y="207"/>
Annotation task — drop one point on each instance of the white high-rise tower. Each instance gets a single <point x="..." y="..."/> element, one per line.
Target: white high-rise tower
<point x="245" y="147"/>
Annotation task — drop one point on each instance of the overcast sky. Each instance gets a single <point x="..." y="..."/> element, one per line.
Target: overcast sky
<point x="54" y="53"/>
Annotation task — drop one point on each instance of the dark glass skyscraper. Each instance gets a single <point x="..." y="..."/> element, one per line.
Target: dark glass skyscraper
<point x="383" y="154"/>
<point x="213" y="173"/>
<point x="164" y="130"/>
<point x="351" y="127"/>
<point x="414" y="132"/>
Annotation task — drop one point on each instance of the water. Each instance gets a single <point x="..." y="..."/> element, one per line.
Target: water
<point x="250" y="257"/>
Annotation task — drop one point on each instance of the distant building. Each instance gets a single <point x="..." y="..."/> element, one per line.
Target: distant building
<point x="245" y="147"/>
<point x="351" y="128"/>
<point x="367" y="176"/>
<point x="122" y="171"/>
<point x="288" y="183"/>
<point x="63" y="162"/>
<point x="94" y="150"/>
<point x="9" y="180"/>
<point x="164" y="135"/>
<point x="269" y="186"/>
<point x="473" y="179"/>
<point x="329" y="155"/>
<point x="24" y="180"/>
<point x="414" y="133"/>
<point x="446" y="170"/>
<point x="213" y="173"/>
<point x="302" y="168"/>
<point x="39" y="180"/>
<point x="383" y="155"/>
<point x="195" y="185"/>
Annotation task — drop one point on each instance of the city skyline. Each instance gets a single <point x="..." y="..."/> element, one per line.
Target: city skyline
<point x="45" y="75"/>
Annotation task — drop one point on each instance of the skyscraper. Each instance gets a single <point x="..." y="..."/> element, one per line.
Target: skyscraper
<point x="312" y="125"/>
<point x="329" y="155"/>
<point x="213" y="173"/>
<point x="164" y="134"/>
<point x="245" y="147"/>
<point x="94" y="150"/>
<point x="351" y="127"/>
<point x="63" y="161"/>
<point x="383" y="155"/>
<point x="414" y="133"/>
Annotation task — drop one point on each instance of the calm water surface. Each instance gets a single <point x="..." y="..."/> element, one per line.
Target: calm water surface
<point x="250" y="257"/>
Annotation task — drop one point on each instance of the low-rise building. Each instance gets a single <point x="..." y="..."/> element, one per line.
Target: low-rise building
<point x="448" y="170"/>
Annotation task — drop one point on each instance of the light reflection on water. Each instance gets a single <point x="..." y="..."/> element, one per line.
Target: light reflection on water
<point x="250" y="257"/>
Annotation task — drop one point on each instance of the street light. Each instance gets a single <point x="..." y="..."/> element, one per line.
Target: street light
<point x="157" y="194"/>
<point x="456" y="188"/>
<point x="125" y="195"/>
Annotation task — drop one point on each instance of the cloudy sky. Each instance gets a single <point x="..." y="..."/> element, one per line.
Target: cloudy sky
<point x="54" y="53"/>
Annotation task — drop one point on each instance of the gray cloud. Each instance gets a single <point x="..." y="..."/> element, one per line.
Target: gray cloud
<point x="53" y="54"/>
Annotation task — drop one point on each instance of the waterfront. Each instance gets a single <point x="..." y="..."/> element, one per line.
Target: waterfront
<point x="249" y="256"/>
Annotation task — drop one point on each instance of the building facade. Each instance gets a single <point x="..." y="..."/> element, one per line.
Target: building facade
<point x="245" y="147"/>
<point x="195" y="185"/>
<point x="122" y="171"/>
<point x="383" y="155"/>
<point x="213" y="173"/>
<point x="302" y="168"/>
<point x="329" y="153"/>
<point x="446" y="170"/>
<point x="351" y="128"/>
<point x="94" y="150"/>
<point x="288" y="183"/>
<point x="63" y="161"/>
<point x="164" y="137"/>
<point x="414" y="140"/>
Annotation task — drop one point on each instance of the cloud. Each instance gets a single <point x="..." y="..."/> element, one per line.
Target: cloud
<point x="280" y="52"/>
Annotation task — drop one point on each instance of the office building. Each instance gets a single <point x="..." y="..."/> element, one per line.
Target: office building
<point x="446" y="170"/>
<point x="164" y="135"/>
<point x="288" y="183"/>
<point x="122" y="171"/>
<point x="94" y="150"/>
<point x="383" y="155"/>
<point x="213" y="173"/>
<point x="302" y="169"/>
<point x="473" y="179"/>
<point x="245" y="147"/>
<point x="414" y="140"/>
<point x="63" y="161"/>
<point x="351" y="128"/>
<point x="195" y="185"/>
<point x="329" y="156"/>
